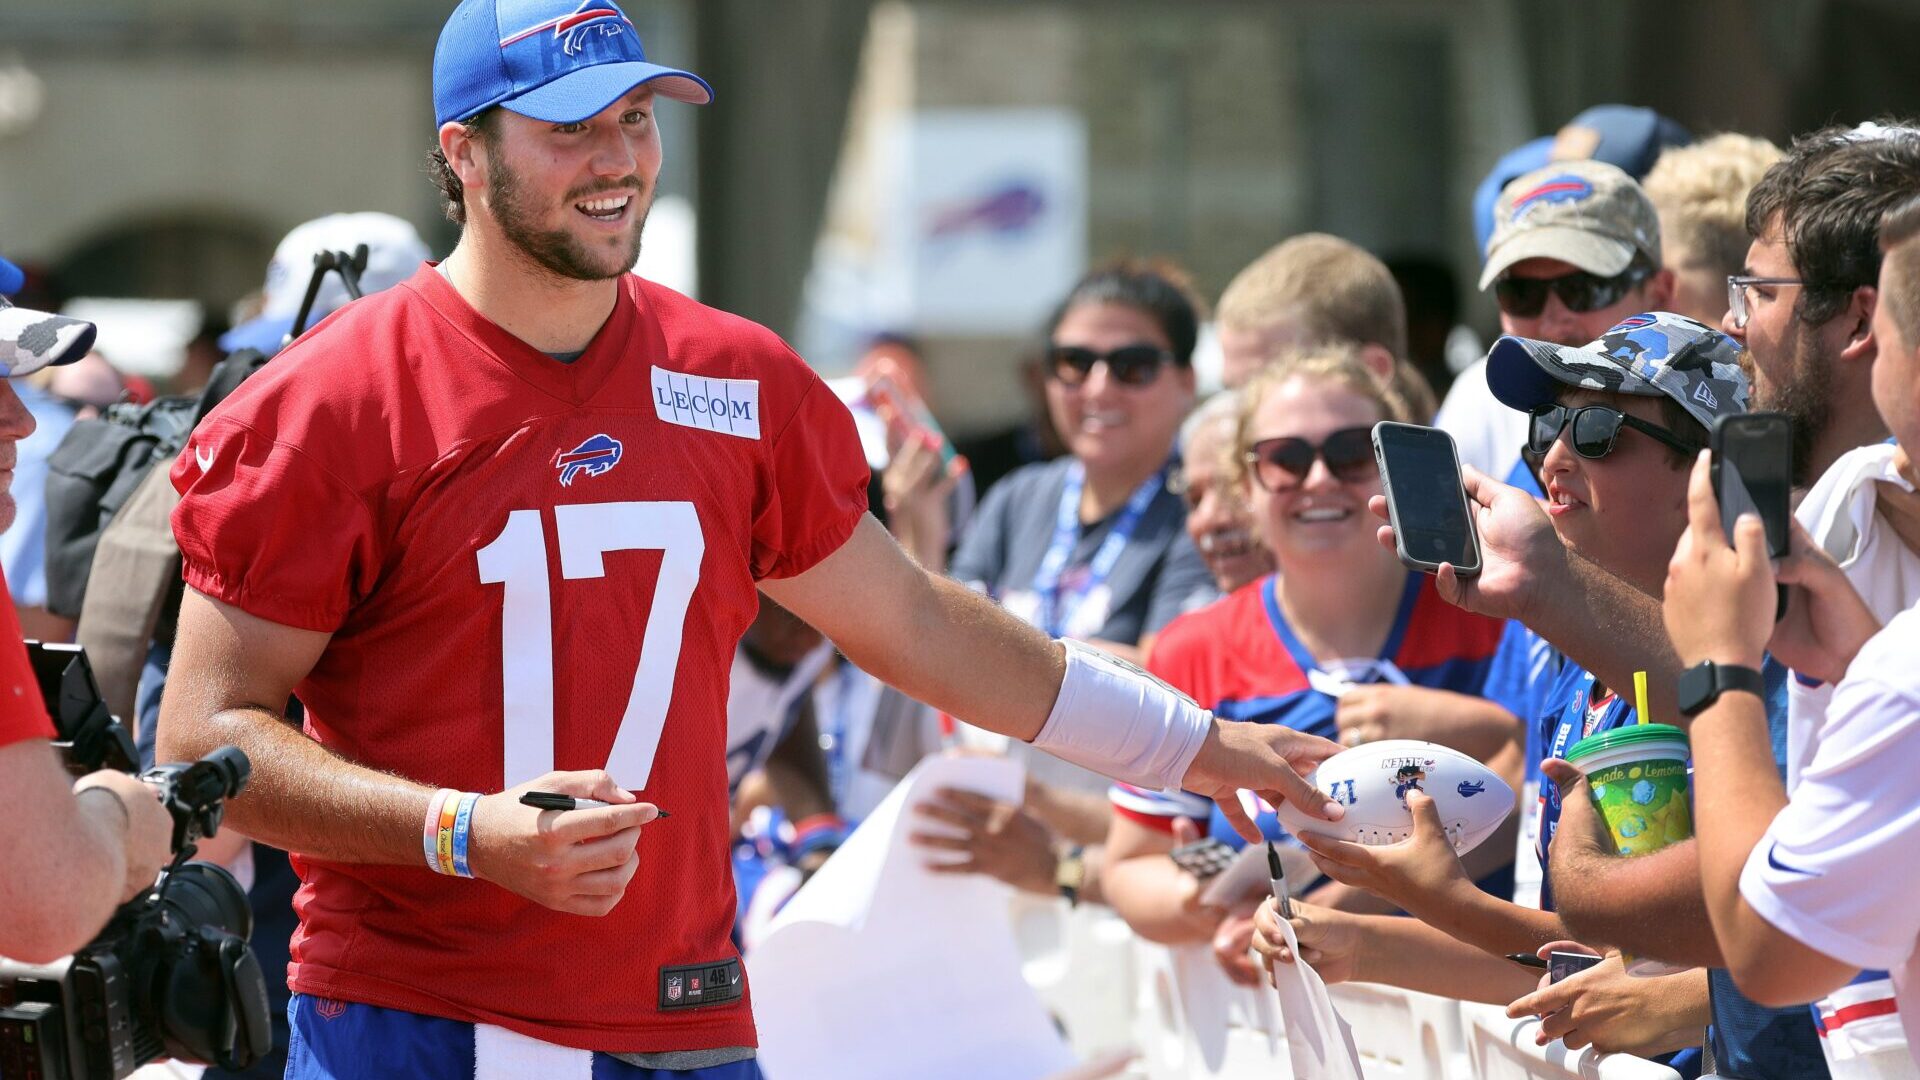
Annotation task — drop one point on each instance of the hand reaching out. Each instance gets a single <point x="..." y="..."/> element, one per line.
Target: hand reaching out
<point x="1001" y="841"/>
<point x="1419" y="873"/>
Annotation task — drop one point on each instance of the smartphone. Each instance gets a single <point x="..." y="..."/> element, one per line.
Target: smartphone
<point x="1753" y="473"/>
<point x="1562" y="964"/>
<point x="1426" y="499"/>
<point x="1204" y="857"/>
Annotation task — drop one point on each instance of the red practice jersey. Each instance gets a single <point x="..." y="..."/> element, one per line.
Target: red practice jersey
<point x="23" y="712"/>
<point x="524" y="565"/>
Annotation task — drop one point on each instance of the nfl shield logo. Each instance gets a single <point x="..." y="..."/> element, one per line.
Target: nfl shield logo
<point x="673" y="988"/>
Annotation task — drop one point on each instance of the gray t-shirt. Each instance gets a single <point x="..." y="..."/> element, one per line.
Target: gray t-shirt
<point x="1156" y="575"/>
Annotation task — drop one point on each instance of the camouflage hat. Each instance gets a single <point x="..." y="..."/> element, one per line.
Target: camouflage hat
<point x="1650" y="355"/>
<point x="1587" y="213"/>
<point x="31" y="340"/>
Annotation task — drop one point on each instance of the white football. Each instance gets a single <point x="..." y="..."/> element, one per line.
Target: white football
<point x="1372" y="781"/>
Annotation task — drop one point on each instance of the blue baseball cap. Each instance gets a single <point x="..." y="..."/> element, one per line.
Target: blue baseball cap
<point x="559" y="61"/>
<point x="12" y="280"/>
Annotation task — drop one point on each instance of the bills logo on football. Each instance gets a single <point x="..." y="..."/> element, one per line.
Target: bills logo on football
<point x="595" y="457"/>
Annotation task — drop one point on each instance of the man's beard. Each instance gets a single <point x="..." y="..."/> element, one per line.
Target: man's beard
<point x="556" y="250"/>
<point x="1806" y="397"/>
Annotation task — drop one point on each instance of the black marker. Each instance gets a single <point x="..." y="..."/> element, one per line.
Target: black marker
<point x="551" y="800"/>
<point x="1277" y="881"/>
<point x="1527" y="959"/>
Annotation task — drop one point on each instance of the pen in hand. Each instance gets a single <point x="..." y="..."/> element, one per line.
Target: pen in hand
<point x="551" y="800"/>
<point x="1277" y="880"/>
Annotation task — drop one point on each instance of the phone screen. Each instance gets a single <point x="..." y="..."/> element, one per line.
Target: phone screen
<point x="1421" y="472"/>
<point x="1758" y="449"/>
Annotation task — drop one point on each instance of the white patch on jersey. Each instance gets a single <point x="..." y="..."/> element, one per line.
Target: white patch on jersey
<point x="203" y="458"/>
<point x="728" y="406"/>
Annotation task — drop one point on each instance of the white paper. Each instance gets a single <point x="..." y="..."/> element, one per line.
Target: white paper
<point x="879" y="968"/>
<point x="1318" y="1040"/>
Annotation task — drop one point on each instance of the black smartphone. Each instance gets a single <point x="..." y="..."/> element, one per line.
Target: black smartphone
<point x="1562" y="964"/>
<point x="1753" y="473"/>
<point x="1426" y="499"/>
<point x="1204" y="857"/>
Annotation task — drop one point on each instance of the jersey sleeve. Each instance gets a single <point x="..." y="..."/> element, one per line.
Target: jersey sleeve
<point x="1819" y="872"/>
<point x="23" y="713"/>
<point x="819" y="488"/>
<point x="267" y="528"/>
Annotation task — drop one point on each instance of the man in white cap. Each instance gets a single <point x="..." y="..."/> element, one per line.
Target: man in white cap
<point x="394" y="252"/>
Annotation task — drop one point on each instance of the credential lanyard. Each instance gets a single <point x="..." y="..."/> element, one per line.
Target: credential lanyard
<point x="1055" y="610"/>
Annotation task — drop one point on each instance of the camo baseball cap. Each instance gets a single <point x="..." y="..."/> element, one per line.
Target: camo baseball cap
<point x="1587" y="213"/>
<point x="1652" y="354"/>
<point x="31" y="340"/>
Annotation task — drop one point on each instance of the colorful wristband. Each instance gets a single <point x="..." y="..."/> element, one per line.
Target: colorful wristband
<point x="430" y="836"/>
<point x="462" y="828"/>
<point x="443" y="834"/>
<point x="820" y="832"/>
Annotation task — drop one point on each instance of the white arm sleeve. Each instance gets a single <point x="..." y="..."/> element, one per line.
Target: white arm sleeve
<point x="1116" y="719"/>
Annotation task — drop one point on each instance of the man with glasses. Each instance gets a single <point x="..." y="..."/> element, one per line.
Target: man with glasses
<point x="1575" y="249"/>
<point x="1820" y="334"/>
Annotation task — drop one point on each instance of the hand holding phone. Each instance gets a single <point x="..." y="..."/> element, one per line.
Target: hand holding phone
<point x="1426" y="498"/>
<point x="1753" y="474"/>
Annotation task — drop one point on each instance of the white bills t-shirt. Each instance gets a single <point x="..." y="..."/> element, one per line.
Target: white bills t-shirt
<point x="1826" y="871"/>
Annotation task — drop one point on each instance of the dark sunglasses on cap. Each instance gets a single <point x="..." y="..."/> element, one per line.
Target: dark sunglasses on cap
<point x="1130" y="365"/>
<point x="1524" y="298"/>
<point x="1283" y="464"/>
<point x="1595" y="427"/>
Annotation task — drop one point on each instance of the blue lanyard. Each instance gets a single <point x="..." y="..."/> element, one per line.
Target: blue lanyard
<point x="1054" y="615"/>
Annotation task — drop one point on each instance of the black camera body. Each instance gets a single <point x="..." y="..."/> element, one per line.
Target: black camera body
<point x="171" y="975"/>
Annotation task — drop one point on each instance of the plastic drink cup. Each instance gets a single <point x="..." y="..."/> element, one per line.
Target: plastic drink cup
<point x="1638" y="777"/>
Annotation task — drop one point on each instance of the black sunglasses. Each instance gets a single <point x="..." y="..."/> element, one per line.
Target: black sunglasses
<point x="1283" y="464"/>
<point x="1595" y="427"/>
<point x="1524" y="298"/>
<point x="1130" y="365"/>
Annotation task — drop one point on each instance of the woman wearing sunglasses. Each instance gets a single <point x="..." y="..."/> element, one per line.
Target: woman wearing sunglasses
<point x="1341" y="621"/>
<point x="1090" y="546"/>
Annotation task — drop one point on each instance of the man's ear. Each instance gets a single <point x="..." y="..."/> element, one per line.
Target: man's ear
<point x="1660" y="290"/>
<point x="1858" y="316"/>
<point x="466" y="154"/>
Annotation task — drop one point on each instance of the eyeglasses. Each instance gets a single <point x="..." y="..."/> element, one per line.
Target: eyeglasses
<point x="1283" y="464"/>
<point x="1595" y="427"/>
<point x="1524" y="298"/>
<point x="1129" y="365"/>
<point x="1737" y="286"/>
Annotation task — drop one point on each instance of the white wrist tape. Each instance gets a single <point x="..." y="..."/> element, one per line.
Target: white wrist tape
<point x="1115" y="719"/>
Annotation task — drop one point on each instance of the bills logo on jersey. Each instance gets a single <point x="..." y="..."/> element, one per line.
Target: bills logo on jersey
<point x="570" y="31"/>
<point x="594" y="457"/>
<point x="727" y="406"/>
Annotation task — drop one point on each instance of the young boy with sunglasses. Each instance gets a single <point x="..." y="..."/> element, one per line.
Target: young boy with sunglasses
<point x="1615" y="424"/>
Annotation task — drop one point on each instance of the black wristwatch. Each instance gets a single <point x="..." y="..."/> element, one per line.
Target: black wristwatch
<point x="1702" y="684"/>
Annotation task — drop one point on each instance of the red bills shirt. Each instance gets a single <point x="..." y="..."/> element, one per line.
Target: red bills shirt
<point x="23" y="712"/>
<point x="524" y="565"/>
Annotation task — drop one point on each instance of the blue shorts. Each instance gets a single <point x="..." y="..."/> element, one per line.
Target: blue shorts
<point x="343" y="1040"/>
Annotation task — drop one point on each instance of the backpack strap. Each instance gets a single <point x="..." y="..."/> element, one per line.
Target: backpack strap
<point x="134" y="567"/>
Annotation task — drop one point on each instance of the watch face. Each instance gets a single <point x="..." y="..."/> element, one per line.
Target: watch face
<point x="1696" y="688"/>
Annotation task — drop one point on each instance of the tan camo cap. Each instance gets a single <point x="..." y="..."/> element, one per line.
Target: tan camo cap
<point x="1587" y="213"/>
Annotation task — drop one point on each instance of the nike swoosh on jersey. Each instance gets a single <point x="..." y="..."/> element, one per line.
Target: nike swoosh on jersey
<point x="1773" y="860"/>
<point x="204" y="459"/>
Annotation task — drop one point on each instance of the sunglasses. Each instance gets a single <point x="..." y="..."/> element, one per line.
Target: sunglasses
<point x="1129" y="365"/>
<point x="1595" y="427"/>
<point x="1524" y="298"/>
<point x="1283" y="464"/>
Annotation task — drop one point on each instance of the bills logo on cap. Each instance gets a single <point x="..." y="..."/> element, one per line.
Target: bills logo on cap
<point x="1563" y="188"/>
<point x="571" y="30"/>
<point x="594" y="457"/>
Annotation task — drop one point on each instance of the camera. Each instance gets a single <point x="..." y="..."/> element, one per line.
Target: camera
<point x="172" y="974"/>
